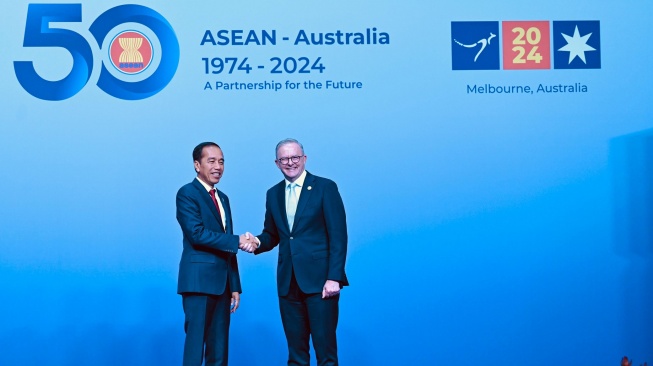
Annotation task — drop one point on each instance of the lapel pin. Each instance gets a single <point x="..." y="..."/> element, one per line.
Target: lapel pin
<point x="309" y="188"/>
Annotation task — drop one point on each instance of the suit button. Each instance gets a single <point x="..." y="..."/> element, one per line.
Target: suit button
<point x="291" y="238"/>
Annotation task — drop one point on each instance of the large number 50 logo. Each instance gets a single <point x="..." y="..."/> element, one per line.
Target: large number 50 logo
<point x="39" y="34"/>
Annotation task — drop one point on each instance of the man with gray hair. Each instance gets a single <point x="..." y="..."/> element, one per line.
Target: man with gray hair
<point x="305" y="217"/>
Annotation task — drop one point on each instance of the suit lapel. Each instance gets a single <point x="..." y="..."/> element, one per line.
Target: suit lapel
<point x="304" y="197"/>
<point x="227" y="213"/>
<point x="281" y="203"/>
<point x="206" y="197"/>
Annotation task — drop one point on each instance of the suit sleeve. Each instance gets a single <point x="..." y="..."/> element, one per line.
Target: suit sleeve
<point x="192" y="225"/>
<point x="336" y="227"/>
<point x="234" y="279"/>
<point x="270" y="236"/>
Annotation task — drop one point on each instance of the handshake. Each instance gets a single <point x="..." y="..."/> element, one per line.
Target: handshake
<point x="248" y="242"/>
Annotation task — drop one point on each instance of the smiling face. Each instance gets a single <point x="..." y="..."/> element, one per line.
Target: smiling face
<point x="211" y="165"/>
<point x="291" y="170"/>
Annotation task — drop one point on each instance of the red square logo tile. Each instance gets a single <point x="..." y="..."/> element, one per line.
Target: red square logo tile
<point x="526" y="45"/>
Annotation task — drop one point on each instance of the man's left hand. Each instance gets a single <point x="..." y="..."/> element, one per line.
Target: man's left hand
<point x="235" y="301"/>
<point x="331" y="288"/>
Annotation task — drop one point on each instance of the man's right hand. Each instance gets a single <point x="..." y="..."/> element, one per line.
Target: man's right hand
<point x="248" y="243"/>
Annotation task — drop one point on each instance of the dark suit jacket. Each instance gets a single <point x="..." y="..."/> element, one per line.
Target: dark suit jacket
<point x="209" y="256"/>
<point x="317" y="246"/>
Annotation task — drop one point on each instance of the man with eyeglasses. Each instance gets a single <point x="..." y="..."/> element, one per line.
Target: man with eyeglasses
<point x="305" y="216"/>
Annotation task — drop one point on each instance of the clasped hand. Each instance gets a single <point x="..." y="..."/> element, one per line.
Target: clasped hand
<point x="248" y="243"/>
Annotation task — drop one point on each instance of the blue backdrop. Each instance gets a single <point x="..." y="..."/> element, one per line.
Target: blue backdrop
<point x="485" y="228"/>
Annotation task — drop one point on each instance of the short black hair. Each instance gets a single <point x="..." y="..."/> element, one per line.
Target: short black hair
<point x="197" y="151"/>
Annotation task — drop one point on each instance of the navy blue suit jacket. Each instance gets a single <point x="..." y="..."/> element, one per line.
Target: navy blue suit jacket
<point x="316" y="248"/>
<point x="208" y="259"/>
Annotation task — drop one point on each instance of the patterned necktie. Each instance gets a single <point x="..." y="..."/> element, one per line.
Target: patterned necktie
<point x="215" y="201"/>
<point x="291" y="205"/>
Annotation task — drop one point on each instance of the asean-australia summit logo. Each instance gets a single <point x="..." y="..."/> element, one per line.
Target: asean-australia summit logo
<point x="525" y="45"/>
<point x="138" y="47"/>
<point x="475" y="46"/>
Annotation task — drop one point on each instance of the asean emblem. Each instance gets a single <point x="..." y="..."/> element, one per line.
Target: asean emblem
<point x="130" y="52"/>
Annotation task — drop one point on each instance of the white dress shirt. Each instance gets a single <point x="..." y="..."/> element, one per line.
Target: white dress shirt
<point x="298" y="188"/>
<point x="217" y="198"/>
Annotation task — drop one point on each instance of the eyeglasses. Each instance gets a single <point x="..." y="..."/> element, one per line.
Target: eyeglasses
<point x="294" y="159"/>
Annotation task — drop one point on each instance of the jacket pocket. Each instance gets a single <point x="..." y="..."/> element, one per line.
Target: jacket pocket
<point x="202" y="258"/>
<point x="320" y="254"/>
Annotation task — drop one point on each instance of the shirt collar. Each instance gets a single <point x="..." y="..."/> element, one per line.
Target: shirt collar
<point x="207" y="186"/>
<point x="299" y="181"/>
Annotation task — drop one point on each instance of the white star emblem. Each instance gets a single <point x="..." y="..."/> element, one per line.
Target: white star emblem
<point x="577" y="46"/>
